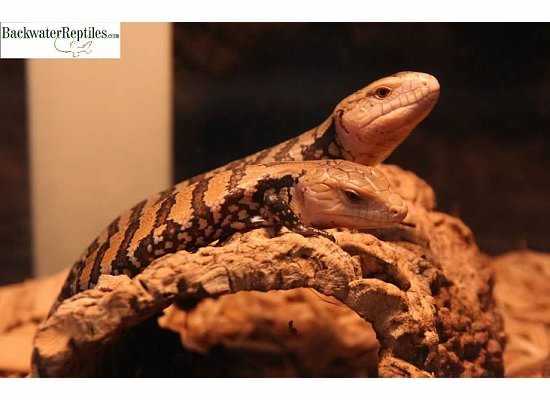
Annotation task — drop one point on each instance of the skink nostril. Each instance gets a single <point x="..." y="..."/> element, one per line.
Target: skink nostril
<point x="396" y="212"/>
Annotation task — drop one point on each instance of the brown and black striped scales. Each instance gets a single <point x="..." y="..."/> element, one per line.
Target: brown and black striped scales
<point x="296" y="195"/>
<point x="364" y="127"/>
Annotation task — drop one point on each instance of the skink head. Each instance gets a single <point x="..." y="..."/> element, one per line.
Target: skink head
<point x="372" y="122"/>
<point x="340" y="193"/>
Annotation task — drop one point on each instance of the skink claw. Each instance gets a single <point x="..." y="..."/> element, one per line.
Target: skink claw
<point x="284" y="215"/>
<point x="329" y="236"/>
<point x="310" y="231"/>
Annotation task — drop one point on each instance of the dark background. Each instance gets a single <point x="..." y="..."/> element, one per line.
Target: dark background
<point x="485" y="148"/>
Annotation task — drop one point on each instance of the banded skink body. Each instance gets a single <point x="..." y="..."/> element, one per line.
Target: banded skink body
<point x="303" y="196"/>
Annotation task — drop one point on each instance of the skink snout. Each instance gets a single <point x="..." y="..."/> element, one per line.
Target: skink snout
<point x="429" y="81"/>
<point x="397" y="209"/>
<point x="399" y="213"/>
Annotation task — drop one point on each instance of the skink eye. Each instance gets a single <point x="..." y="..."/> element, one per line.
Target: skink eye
<point x="382" y="92"/>
<point x="352" y="196"/>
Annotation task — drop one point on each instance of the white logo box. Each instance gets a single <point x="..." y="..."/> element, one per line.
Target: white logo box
<point x="79" y="40"/>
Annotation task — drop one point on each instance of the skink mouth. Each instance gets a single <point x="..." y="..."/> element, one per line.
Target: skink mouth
<point x="353" y="220"/>
<point x="338" y="116"/>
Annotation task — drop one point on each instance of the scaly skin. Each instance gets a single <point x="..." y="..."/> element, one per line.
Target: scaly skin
<point x="364" y="127"/>
<point x="302" y="196"/>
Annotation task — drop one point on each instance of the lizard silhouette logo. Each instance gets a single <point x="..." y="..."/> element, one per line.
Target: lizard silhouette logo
<point x="74" y="47"/>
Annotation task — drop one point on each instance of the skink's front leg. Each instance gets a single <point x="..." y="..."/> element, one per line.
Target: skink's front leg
<point x="282" y="214"/>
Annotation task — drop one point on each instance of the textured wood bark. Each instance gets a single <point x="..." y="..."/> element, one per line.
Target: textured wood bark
<point x="297" y="332"/>
<point x="424" y="289"/>
<point x="522" y="293"/>
<point x="22" y="307"/>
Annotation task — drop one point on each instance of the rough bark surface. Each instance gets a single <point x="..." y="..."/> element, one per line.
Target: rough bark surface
<point x="22" y="307"/>
<point x="423" y="288"/>
<point x="522" y="293"/>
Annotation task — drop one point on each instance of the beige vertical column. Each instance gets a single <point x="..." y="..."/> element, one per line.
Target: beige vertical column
<point x="100" y="140"/>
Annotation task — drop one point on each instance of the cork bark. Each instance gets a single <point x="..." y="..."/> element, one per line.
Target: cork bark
<point x="413" y="301"/>
<point x="522" y="293"/>
<point x="22" y="307"/>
